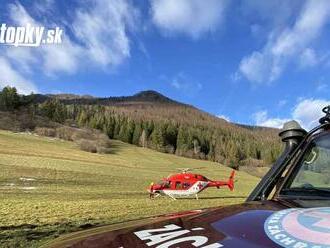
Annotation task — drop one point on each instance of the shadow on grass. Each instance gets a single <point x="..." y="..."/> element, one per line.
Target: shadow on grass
<point x="114" y="148"/>
<point x="35" y="235"/>
<point x="223" y="197"/>
<point x="213" y="198"/>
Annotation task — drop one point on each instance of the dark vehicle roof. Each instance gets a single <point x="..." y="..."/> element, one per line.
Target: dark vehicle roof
<point x="209" y="220"/>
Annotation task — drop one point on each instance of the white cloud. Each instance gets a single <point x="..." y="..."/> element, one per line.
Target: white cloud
<point x="284" y="46"/>
<point x="186" y="84"/>
<point x="308" y="58"/>
<point x="98" y="35"/>
<point x="259" y="10"/>
<point x="190" y="17"/>
<point x="322" y="87"/>
<point x="10" y="77"/>
<point x="23" y="58"/>
<point x="235" y="77"/>
<point x="259" y="68"/>
<point x="176" y="84"/>
<point x="103" y="30"/>
<point x="261" y="119"/>
<point x="307" y="112"/>
<point x="43" y="6"/>
<point x="226" y="118"/>
<point x="282" y="103"/>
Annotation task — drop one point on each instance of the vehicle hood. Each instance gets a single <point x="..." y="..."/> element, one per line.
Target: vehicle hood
<point x="235" y="226"/>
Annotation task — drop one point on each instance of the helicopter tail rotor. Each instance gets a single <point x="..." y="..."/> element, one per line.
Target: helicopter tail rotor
<point x="231" y="181"/>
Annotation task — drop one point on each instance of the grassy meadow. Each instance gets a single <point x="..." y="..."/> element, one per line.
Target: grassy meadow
<point x="49" y="187"/>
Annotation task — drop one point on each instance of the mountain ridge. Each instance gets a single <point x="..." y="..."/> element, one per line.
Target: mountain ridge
<point x="145" y="97"/>
<point x="141" y="96"/>
<point x="150" y="119"/>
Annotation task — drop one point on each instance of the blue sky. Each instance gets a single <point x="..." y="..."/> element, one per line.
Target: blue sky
<point x="254" y="62"/>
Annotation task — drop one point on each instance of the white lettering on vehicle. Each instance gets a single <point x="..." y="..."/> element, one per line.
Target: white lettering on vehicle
<point x="169" y="235"/>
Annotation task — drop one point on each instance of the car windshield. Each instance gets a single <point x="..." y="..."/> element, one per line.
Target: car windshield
<point x="313" y="175"/>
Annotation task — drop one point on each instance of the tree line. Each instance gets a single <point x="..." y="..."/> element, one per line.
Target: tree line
<point x="221" y="145"/>
<point x="10" y="100"/>
<point x="179" y="130"/>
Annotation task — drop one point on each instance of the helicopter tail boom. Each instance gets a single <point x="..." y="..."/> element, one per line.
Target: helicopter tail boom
<point x="229" y="183"/>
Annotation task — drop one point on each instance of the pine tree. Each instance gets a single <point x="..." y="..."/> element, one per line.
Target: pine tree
<point x="143" y="138"/>
<point x="54" y="110"/>
<point x="171" y="134"/>
<point x="9" y="99"/>
<point x="137" y="134"/>
<point x="157" y="137"/>
<point x="82" y="118"/>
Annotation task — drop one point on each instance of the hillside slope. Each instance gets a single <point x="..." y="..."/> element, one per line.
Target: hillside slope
<point x="152" y="120"/>
<point x="49" y="187"/>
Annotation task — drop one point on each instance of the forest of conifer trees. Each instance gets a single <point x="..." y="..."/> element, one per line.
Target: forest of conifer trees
<point x="182" y="134"/>
<point x="160" y="124"/>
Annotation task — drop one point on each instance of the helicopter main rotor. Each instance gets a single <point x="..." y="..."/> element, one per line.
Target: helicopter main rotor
<point x="185" y="170"/>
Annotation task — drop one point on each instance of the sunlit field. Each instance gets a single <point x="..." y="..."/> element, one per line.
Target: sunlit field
<point x="49" y="187"/>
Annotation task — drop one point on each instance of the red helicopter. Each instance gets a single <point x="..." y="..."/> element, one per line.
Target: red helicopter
<point x="185" y="184"/>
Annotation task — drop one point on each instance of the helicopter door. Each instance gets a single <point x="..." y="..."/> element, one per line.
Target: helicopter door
<point x="178" y="185"/>
<point x="186" y="185"/>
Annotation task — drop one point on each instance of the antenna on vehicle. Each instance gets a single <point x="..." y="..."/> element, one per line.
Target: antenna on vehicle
<point x="326" y="118"/>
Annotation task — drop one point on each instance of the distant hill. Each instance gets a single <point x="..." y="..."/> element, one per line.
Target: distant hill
<point x="143" y="97"/>
<point x="153" y="120"/>
<point x="149" y="119"/>
<point x="149" y="100"/>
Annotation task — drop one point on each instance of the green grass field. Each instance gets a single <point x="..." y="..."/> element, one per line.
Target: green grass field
<point x="49" y="187"/>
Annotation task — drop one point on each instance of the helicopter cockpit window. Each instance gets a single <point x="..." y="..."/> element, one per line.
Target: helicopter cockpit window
<point x="165" y="184"/>
<point x="313" y="176"/>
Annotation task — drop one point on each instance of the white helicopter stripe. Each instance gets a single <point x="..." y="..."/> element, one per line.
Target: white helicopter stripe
<point x="193" y="190"/>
